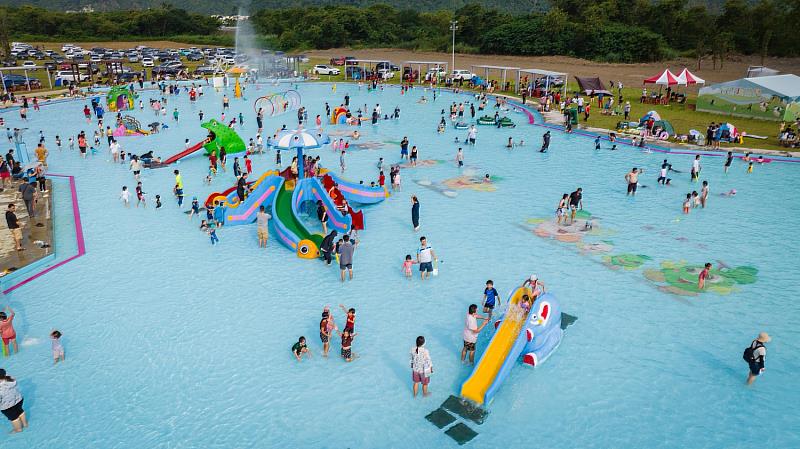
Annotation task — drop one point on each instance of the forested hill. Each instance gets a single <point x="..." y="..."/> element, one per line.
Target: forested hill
<point x="231" y="8"/>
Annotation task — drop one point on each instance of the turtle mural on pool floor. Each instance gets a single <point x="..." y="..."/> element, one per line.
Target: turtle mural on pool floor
<point x="680" y="278"/>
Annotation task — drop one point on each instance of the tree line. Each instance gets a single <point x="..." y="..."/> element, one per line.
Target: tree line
<point x="165" y="21"/>
<point x="601" y="30"/>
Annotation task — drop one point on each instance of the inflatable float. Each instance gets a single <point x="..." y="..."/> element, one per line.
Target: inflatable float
<point x="532" y="335"/>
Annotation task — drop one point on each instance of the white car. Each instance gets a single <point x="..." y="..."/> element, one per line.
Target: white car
<point x="67" y="75"/>
<point x="28" y="65"/>
<point x="147" y="62"/>
<point x="436" y="71"/>
<point x="322" y="69"/>
<point x="464" y="75"/>
<point x="385" y="74"/>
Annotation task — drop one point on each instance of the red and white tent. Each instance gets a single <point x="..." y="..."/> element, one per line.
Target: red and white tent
<point x="690" y="78"/>
<point x="666" y="78"/>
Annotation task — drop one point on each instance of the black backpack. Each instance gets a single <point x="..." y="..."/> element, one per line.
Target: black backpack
<point x="749" y="352"/>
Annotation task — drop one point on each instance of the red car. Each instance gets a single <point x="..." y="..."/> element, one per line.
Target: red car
<point x="337" y="61"/>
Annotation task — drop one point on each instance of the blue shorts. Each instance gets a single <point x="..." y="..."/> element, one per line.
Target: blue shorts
<point x="426" y="266"/>
<point x="404" y="152"/>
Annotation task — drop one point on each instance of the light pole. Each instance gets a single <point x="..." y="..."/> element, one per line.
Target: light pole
<point x="453" y="28"/>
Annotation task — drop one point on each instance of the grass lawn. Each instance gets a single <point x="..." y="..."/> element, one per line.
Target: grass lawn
<point x="683" y="118"/>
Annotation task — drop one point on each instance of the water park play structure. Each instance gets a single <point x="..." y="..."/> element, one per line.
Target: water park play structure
<point x="129" y="126"/>
<point x="534" y="334"/>
<point x="288" y="197"/>
<point x="120" y="98"/>
<point x="219" y="136"/>
<point x="278" y="103"/>
<point x="340" y="115"/>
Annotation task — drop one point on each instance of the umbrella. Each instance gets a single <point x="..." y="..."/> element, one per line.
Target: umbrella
<point x="300" y="138"/>
<point x="666" y="78"/>
<point x="689" y="78"/>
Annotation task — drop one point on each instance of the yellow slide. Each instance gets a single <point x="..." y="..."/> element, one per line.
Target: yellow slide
<point x="485" y="373"/>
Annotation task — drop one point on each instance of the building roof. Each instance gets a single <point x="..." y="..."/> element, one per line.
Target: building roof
<point x="781" y="85"/>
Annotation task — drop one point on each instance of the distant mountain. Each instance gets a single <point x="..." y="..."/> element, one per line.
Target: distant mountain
<point x="231" y="8"/>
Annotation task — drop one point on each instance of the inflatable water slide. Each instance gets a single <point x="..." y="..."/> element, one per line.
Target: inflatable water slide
<point x="533" y="334"/>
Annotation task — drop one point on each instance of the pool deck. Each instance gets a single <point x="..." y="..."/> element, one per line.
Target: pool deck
<point x="40" y="229"/>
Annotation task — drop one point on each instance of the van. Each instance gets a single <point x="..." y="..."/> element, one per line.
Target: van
<point x="70" y="76"/>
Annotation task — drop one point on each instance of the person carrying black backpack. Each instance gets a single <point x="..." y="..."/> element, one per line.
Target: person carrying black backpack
<point x="755" y="354"/>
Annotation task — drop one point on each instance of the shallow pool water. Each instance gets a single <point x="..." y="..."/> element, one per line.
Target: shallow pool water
<point x="172" y="342"/>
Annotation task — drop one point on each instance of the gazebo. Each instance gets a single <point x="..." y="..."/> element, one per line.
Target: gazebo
<point x="361" y="64"/>
<point x="548" y="74"/>
<point x="500" y="68"/>
<point x="419" y="64"/>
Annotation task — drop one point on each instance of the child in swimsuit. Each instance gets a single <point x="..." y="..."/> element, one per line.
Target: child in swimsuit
<point x="347" y="344"/>
<point x="407" y="264"/>
<point x="58" y="349"/>
<point x="687" y="203"/>
<point x="562" y="207"/>
<point x="195" y="208"/>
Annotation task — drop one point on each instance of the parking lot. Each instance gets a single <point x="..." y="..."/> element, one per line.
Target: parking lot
<point x="70" y="63"/>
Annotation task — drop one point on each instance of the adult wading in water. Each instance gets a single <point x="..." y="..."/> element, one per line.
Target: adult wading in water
<point x="415" y="212"/>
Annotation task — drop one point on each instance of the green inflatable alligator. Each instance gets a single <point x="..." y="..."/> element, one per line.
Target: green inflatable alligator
<point x="223" y="137"/>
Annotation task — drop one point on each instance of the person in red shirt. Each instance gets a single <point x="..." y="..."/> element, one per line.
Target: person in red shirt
<point x="351" y="318"/>
<point x="248" y="164"/>
<point x="382" y="179"/>
<point x="701" y="278"/>
<point x="7" y="332"/>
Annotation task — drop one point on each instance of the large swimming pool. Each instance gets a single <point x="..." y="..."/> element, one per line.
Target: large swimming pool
<point x="172" y="342"/>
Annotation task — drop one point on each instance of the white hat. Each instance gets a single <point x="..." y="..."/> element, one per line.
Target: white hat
<point x="534" y="278"/>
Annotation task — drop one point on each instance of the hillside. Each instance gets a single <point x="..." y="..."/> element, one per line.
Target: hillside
<point x="230" y="8"/>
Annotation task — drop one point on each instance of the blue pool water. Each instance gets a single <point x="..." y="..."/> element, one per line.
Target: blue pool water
<point x="171" y="342"/>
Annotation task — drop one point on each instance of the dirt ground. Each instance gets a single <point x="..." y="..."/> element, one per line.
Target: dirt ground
<point x="632" y="74"/>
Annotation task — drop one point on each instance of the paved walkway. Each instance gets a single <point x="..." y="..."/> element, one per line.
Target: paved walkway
<point x="35" y="232"/>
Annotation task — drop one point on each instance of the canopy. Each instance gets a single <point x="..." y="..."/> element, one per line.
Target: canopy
<point x="689" y="78"/>
<point x="666" y="78"/>
<point x="591" y="86"/>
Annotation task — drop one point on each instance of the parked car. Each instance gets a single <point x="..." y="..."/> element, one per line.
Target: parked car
<point x="147" y="62"/>
<point x="51" y="66"/>
<point x="385" y="74"/>
<point x="70" y="76"/>
<point x="195" y="57"/>
<point x="302" y="58"/>
<point x="550" y="80"/>
<point x="28" y="65"/>
<point x="350" y="60"/>
<point x="322" y="69"/>
<point x="337" y="61"/>
<point x="204" y="70"/>
<point x="461" y="75"/>
<point x="127" y="77"/>
<point x="387" y="65"/>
